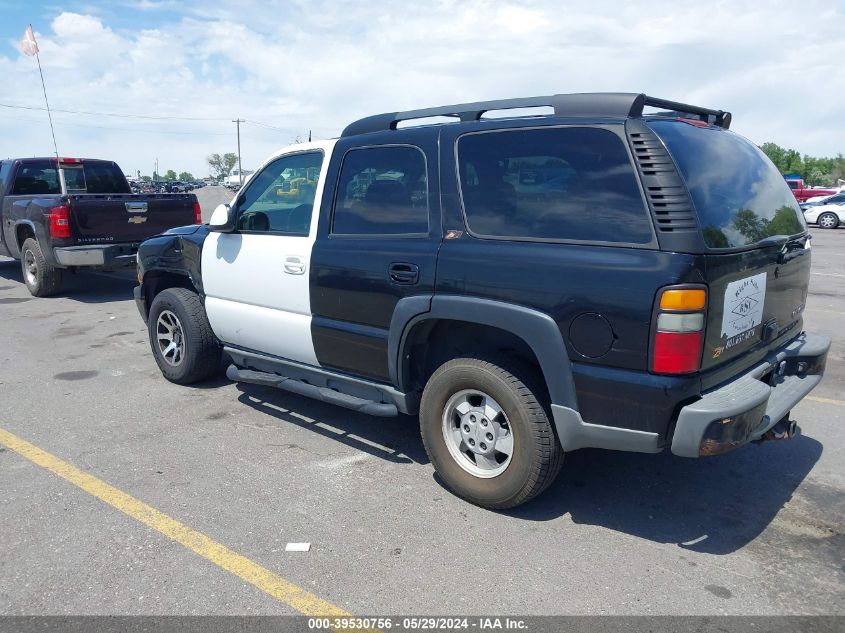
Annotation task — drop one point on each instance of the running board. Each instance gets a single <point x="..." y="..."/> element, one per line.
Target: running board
<point x="324" y="394"/>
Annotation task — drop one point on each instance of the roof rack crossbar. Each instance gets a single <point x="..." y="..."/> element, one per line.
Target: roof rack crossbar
<point x="617" y="104"/>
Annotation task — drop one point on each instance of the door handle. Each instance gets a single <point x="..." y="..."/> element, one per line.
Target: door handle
<point x="404" y="273"/>
<point x="294" y="265"/>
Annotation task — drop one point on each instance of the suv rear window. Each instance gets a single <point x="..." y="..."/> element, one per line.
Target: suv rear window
<point x="739" y="195"/>
<point x="573" y="183"/>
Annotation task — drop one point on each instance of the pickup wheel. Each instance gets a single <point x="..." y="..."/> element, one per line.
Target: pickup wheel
<point x="41" y="278"/>
<point x="487" y="433"/>
<point x="183" y="343"/>
<point x="828" y="220"/>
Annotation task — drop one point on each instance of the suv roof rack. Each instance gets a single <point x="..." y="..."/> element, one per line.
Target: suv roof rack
<point x="618" y="104"/>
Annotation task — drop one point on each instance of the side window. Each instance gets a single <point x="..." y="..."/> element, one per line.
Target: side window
<point x="5" y="168"/>
<point x="34" y="178"/>
<point x="574" y="183"/>
<point x="382" y="191"/>
<point x="280" y="199"/>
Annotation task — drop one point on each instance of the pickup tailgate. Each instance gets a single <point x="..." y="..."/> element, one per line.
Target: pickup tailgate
<point x="121" y="218"/>
<point x="757" y="264"/>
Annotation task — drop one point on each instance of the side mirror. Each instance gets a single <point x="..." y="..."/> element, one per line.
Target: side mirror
<point x="222" y="219"/>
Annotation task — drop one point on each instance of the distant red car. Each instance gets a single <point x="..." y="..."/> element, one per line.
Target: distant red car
<point x="803" y="193"/>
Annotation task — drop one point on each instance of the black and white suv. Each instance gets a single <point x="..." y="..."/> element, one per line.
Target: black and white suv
<point x="591" y="277"/>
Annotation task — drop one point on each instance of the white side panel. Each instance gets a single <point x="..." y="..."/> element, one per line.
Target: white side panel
<point x="257" y="286"/>
<point x="271" y="331"/>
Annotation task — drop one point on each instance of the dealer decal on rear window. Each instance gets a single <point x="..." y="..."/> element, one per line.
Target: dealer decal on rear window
<point x="743" y="309"/>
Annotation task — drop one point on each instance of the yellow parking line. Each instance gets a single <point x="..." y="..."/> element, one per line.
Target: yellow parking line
<point x="242" y="567"/>
<point x="839" y="403"/>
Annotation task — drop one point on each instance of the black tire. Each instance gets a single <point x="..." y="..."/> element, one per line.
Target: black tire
<point x="40" y="277"/>
<point x="833" y="220"/>
<point x="200" y="350"/>
<point x="537" y="456"/>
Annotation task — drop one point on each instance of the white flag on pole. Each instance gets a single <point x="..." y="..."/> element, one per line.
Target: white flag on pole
<point x="28" y="44"/>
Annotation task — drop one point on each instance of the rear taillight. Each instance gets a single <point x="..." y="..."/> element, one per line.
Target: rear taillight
<point x="197" y="213"/>
<point x="678" y="330"/>
<point x="59" y="221"/>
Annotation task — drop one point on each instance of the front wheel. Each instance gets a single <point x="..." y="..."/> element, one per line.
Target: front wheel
<point x="181" y="338"/>
<point x="828" y="220"/>
<point x="487" y="433"/>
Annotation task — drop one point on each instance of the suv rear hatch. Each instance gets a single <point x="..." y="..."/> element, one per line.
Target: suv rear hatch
<point x="105" y="211"/>
<point x="757" y="259"/>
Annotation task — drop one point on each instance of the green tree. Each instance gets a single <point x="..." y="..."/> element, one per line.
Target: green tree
<point x="714" y="237"/>
<point x="751" y="226"/>
<point x="170" y="175"/>
<point x="785" y="222"/>
<point x="146" y="178"/>
<point x="223" y="165"/>
<point x="186" y="175"/>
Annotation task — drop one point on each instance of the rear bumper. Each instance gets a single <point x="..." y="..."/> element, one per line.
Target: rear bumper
<point x="101" y="256"/>
<point x="744" y="409"/>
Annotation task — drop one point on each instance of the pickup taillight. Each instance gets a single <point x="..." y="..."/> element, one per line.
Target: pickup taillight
<point x="679" y="321"/>
<point x="59" y="221"/>
<point x="197" y="213"/>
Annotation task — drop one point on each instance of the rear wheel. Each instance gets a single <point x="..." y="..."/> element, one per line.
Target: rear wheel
<point x="828" y="220"/>
<point x="181" y="338"/>
<point x="487" y="433"/>
<point x="40" y="277"/>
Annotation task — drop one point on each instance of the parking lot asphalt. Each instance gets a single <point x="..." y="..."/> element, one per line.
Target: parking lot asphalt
<point x="757" y="531"/>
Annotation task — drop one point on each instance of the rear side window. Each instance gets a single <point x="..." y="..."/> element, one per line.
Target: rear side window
<point x="739" y="195"/>
<point x="382" y="191"/>
<point x="5" y="168"/>
<point x="572" y="183"/>
<point x="36" y="178"/>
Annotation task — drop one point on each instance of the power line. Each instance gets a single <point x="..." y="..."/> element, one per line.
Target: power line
<point x="126" y="129"/>
<point x="115" y="114"/>
<point x="127" y="115"/>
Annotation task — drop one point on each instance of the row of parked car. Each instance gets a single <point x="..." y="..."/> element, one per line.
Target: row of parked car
<point x="166" y="186"/>
<point x="825" y="211"/>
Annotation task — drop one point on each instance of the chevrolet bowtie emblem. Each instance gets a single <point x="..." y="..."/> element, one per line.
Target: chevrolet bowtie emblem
<point x="137" y="219"/>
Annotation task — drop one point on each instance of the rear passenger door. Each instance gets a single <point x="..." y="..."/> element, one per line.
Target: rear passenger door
<point x="378" y="240"/>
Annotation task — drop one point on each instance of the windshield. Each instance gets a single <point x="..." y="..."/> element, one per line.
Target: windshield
<point x="739" y="195"/>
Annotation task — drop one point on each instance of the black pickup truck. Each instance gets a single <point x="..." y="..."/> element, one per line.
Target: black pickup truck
<point x="68" y="213"/>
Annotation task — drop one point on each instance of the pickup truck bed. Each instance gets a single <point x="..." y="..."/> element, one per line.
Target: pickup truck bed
<point x="72" y="213"/>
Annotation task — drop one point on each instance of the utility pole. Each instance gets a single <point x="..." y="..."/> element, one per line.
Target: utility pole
<point x="240" y="167"/>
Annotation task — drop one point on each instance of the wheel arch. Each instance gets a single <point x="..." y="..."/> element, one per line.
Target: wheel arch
<point x="533" y="335"/>
<point x="156" y="281"/>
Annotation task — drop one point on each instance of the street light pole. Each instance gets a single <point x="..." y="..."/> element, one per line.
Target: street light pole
<point x="240" y="166"/>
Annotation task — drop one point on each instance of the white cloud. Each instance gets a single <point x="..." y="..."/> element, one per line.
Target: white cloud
<point x="318" y="65"/>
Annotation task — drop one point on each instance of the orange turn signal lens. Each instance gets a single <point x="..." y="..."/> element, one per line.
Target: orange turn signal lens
<point x="692" y="299"/>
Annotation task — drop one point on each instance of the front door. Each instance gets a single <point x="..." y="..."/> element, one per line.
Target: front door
<point x="256" y="278"/>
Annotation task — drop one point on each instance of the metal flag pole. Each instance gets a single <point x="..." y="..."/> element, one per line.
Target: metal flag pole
<point x="44" y="88"/>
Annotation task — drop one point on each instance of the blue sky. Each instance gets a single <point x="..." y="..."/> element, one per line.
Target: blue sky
<point x="289" y="67"/>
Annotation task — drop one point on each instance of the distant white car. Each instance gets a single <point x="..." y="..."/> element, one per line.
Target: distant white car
<point x="827" y="215"/>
